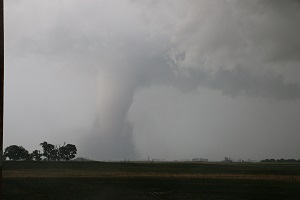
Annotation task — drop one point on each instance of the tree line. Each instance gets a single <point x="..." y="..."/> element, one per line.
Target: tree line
<point x="50" y="152"/>
<point x="280" y="160"/>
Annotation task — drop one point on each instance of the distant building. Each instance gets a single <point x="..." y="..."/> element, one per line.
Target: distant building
<point x="199" y="160"/>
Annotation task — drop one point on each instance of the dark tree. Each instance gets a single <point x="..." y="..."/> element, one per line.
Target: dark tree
<point x="48" y="150"/>
<point x="37" y="155"/>
<point x="68" y="152"/>
<point x="28" y="157"/>
<point x="55" y="155"/>
<point x="15" y="152"/>
<point x="228" y="159"/>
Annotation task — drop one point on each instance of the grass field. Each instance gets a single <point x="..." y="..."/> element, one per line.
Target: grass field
<point x="104" y="180"/>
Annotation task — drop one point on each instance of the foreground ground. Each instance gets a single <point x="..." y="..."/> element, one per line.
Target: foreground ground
<point x="98" y="180"/>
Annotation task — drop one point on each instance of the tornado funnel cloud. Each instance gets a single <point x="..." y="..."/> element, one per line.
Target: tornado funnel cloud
<point x="111" y="135"/>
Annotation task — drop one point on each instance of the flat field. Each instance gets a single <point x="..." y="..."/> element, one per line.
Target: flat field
<point x="134" y="180"/>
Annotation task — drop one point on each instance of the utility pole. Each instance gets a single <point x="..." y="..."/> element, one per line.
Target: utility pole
<point x="2" y="90"/>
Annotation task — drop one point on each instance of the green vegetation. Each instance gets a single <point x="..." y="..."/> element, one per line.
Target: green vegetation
<point x="15" y="152"/>
<point x="50" y="153"/>
<point x="120" y="180"/>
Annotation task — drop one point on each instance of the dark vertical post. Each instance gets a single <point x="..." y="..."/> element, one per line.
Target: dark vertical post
<point x="2" y="89"/>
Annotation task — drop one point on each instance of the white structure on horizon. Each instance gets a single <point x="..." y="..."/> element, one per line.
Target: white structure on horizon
<point x="199" y="160"/>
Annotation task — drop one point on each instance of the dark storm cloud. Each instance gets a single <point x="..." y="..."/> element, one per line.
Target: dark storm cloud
<point x="239" y="81"/>
<point x="239" y="47"/>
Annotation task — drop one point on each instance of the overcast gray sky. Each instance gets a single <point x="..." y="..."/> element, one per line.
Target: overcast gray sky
<point x="169" y="79"/>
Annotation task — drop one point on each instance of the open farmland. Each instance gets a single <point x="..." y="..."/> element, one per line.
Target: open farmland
<point x="119" y="180"/>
